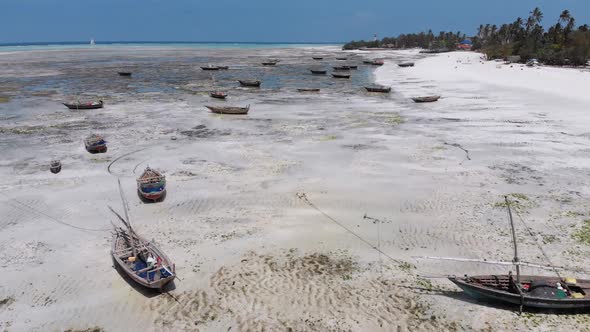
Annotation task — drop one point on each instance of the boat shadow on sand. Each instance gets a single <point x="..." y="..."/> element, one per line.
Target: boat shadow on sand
<point x="147" y="292"/>
<point x="151" y="201"/>
<point x="461" y="296"/>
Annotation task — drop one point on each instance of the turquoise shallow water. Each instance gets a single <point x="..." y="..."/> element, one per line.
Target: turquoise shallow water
<point x="104" y="45"/>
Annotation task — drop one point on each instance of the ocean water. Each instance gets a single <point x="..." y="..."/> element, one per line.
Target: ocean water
<point x="16" y="47"/>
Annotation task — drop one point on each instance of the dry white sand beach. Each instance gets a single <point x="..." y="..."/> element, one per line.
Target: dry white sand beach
<point x="251" y="254"/>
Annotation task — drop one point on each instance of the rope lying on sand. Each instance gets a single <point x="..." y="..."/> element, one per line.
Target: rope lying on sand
<point x="32" y="209"/>
<point x="303" y="197"/>
<point x="460" y="147"/>
<point x="121" y="157"/>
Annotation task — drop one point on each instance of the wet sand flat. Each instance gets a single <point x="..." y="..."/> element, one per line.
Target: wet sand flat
<point x="273" y="218"/>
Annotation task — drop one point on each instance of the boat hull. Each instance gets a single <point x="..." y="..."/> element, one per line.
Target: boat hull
<point x="150" y="279"/>
<point x="229" y="110"/>
<point x="252" y="84"/>
<point x="97" y="149"/>
<point x="83" y="106"/>
<point x="55" y="170"/>
<point x="489" y="294"/>
<point x="426" y="99"/>
<point x="152" y="196"/>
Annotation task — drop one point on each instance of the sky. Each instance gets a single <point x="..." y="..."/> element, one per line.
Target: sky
<point x="259" y="20"/>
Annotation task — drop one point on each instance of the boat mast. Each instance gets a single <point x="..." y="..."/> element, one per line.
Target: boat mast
<point x="515" y="260"/>
<point x="128" y="224"/>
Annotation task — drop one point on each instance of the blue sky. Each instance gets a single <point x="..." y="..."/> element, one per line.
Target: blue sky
<point x="258" y="20"/>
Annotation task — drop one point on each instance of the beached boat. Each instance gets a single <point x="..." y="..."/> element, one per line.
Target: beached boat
<point x="95" y="144"/>
<point x="317" y="58"/>
<point x="228" y="109"/>
<point x="124" y="73"/>
<point x="368" y="62"/>
<point x="141" y="260"/>
<point x="88" y="105"/>
<point x="341" y="75"/>
<point x="318" y="71"/>
<point x="55" y="166"/>
<point x="341" y="58"/>
<point x="382" y="89"/>
<point x="378" y="62"/>
<point x="426" y="99"/>
<point x="341" y="67"/>
<point x="269" y="63"/>
<point x="527" y="291"/>
<point x="308" y="90"/>
<point x="530" y="291"/>
<point x="406" y="64"/>
<point x="218" y="94"/>
<point x="250" y="83"/>
<point x="353" y="66"/>
<point x="151" y="185"/>
<point x="209" y="67"/>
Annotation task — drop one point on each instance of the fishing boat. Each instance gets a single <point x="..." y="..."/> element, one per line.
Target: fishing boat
<point x="426" y="99"/>
<point x="353" y="66"/>
<point x="218" y="94"/>
<point x="368" y="62"/>
<point x="222" y="67"/>
<point x="250" y="83"/>
<point x="341" y="67"/>
<point x="342" y="58"/>
<point x="378" y="62"/>
<point x="141" y="260"/>
<point x="88" y="105"/>
<point x="209" y="67"/>
<point x="151" y="185"/>
<point x="340" y="75"/>
<point x="95" y="144"/>
<point x="269" y="63"/>
<point x="228" y="109"/>
<point x="317" y="58"/>
<point x="318" y="71"/>
<point x="55" y="166"/>
<point x="382" y="89"/>
<point x="406" y="64"/>
<point x="124" y="73"/>
<point x="308" y="90"/>
<point x="527" y="291"/>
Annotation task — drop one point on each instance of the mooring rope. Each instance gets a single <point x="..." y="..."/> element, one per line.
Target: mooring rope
<point x="303" y="197"/>
<point x="32" y="209"/>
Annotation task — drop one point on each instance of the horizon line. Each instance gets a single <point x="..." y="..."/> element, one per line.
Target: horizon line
<point x="158" y="42"/>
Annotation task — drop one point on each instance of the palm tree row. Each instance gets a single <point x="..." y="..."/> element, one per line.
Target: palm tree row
<point x="564" y="43"/>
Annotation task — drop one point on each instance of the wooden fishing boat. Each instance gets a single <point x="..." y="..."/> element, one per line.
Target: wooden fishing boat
<point x="527" y="291"/>
<point x="141" y="260"/>
<point x="250" y="83"/>
<point x="426" y="99"/>
<point x="269" y="63"/>
<point x="318" y="71"/>
<point x="530" y="292"/>
<point x="95" y="144"/>
<point x="151" y="184"/>
<point x="406" y="64"/>
<point x="341" y="67"/>
<point x="229" y="109"/>
<point x="341" y="75"/>
<point x="308" y="90"/>
<point x="218" y="94"/>
<point x="89" y="105"/>
<point x="317" y="58"/>
<point x="382" y="89"/>
<point x="209" y="67"/>
<point x="55" y="166"/>
<point x="124" y="73"/>
<point x="378" y="62"/>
